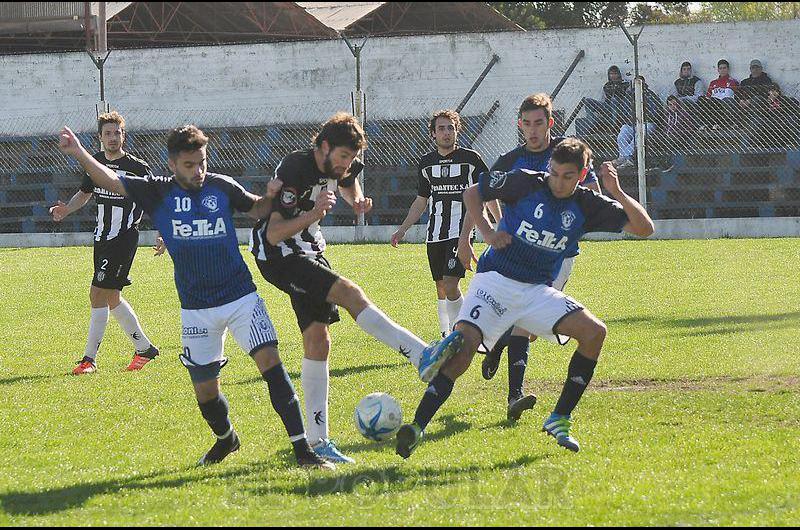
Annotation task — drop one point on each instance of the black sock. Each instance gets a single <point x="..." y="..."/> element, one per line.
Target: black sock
<point x="502" y="342"/>
<point x="437" y="393"/>
<point x="215" y="412"/>
<point x="579" y="374"/>
<point x="301" y="447"/>
<point x="284" y="400"/>
<point x="517" y="362"/>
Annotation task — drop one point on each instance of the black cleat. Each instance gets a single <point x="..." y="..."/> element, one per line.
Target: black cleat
<point x="518" y="406"/>
<point x="220" y="450"/>
<point x="491" y="362"/>
<point x="408" y="438"/>
<point x="311" y="460"/>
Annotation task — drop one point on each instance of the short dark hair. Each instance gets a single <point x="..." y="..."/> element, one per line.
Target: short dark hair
<point x="186" y="138"/>
<point x="110" y="117"/>
<point x="342" y="129"/>
<point x="686" y="63"/>
<point x="672" y="98"/>
<point x="723" y="61"/>
<point x="537" y="101"/>
<point x="572" y="151"/>
<point x="446" y="113"/>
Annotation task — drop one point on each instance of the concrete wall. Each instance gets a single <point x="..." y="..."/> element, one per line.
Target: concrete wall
<point x="247" y="84"/>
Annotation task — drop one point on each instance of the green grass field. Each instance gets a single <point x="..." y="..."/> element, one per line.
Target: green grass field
<point x="693" y="416"/>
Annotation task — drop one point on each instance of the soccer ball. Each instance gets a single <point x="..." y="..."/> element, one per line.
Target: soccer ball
<point x="378" y="416"/>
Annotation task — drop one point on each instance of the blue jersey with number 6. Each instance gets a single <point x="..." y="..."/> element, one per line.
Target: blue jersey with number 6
<point x="198" y="229"/>
<point x="545" y="229"/>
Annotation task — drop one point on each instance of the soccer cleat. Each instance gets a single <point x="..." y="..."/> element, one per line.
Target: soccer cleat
<point x="435" y="355"/>
<point x="519" y="405"/>
<point x="408" y="438"/>
<point x="327" y="450"/>
<point x="558" y="426"/>
<point x="310" y="459"/>
<point x="491" y="362"/>
<point x="140" y="359"/>
<point x="85" y="366"/>
<point x="221" y="448"/>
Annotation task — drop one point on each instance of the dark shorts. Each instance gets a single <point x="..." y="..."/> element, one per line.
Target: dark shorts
<point x="307" y="281"/>
<point x="443" y="260"/>
<point x="113" y="260"/>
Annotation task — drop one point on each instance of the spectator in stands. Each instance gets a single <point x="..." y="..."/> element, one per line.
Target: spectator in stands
<point x="754" y="89"/>
<point x="781" y="118"/>
<point x="626" y="139"/>
<point x="611" y="110"/>
<point x="718" y="105"/>
<point x="678" y="124"/>
<point x="688" y="87"/>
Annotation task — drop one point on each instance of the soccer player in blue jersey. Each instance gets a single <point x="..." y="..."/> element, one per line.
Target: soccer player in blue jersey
<point x="193" y="211"/>
<point x="536" y="123"/>
<point x="544" y="216"/>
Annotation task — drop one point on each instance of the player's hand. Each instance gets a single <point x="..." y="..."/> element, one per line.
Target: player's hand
<point x="466" y="254"/>
<point x="397" y="237"/>
<point x="59" y="211"/>
<point x="326" y="200"/>
<point x="608" y="174"/>
<point x="498" y="240"/>
<point x="68" y="142"/>
<point x="159" y="247"/>
<point x="362" y="205"/>
<point x="273" y="187"/>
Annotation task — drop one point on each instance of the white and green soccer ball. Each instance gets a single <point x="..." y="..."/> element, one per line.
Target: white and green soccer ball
<point x="378" y="416"/>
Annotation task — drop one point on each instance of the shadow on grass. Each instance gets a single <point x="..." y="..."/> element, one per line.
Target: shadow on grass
<point x="336" y="372"/>
<point x="717" y="325"/>
<point x="23" y="379"/>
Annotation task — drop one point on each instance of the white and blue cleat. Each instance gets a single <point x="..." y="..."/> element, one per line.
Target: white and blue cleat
<point x="435" y="355"/>
<point x="327" y="450"/>
<point x="558" y="426"/>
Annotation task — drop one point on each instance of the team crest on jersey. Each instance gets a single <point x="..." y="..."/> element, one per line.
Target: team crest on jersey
<point x="445" y="172"/>
<point x="289" y="198"/>
<point x="101" y="276"/>
<point x="567" y="219"/>
<point x="497" y="179"/>
<point x="210" y="202"/>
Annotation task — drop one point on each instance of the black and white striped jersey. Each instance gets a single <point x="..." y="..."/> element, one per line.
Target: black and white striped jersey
<point x="302" y="183"/>
<point x="116" y="214"/>
<point x="442" y="180"/>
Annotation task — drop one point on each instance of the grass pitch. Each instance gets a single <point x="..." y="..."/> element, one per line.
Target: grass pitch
<point x="693" y="416"/>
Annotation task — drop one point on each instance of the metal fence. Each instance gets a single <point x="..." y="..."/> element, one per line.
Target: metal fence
<point x="704" y="158"/>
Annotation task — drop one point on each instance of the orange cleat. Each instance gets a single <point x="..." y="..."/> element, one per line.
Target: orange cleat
<point x="85" y="366"/>
<point x="141" y="359"/>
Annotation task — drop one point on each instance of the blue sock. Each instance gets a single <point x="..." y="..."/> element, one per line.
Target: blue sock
<point x="215" y="412"/>
<point x="437" y="393"/>
<point x="579" y="374"/>
<point x="284" y="401"/>
<point x="517" y="363"/>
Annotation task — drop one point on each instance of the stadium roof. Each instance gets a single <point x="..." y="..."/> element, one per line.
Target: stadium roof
<point x="67" y="26"/>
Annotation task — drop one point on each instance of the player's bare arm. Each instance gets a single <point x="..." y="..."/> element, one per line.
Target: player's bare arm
<point x="639" y="222"/>
<point x="475" y="209"/>
<point x="101" y="175"/>
<point x="416" y="210"/>
<point x="355" y="198"/>
<point x="262" y="206"/>
<point x="78" y="201"/>
<point x="595" y="186"/>
<point x="279" y="228"/>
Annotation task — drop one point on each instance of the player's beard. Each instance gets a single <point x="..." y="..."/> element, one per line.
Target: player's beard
<point x="448" y="146"/>
<point x="330" y="171"/>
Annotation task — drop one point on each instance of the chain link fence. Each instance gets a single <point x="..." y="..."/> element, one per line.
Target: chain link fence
<point x="705" y="158"/>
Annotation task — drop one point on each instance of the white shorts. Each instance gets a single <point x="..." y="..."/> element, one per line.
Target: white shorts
<point x="495" y="303"/>
<point x="563" y="275"/>
<point x="204" y="330"/>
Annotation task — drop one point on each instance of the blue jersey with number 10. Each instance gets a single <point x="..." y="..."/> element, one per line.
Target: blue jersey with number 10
<point x="545" y="229"/>
<point x="198" y="229"/>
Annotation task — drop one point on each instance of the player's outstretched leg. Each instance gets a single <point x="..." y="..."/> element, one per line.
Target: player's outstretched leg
<point x="287" y="405"/>
<point x="518" y="402"/>
<point x="467" y="338"/>
<point x="428" y="359"/>
<point x="491" y="362"/>
<point x="97" y="328"/>
<point x="590" y="333"/>
<point x="144" y="351"/>
<point x="215" y="412"/>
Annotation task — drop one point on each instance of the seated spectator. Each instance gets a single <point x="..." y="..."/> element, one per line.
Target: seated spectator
<point x="688" y="87"/>
<point x="611" y="110"/>
<point x="718" y="105"/>
<point x="626" y="139"/>
<point x="780" y="118"/>
<point x="678" y="125"/>
<point x="754" y="89"/>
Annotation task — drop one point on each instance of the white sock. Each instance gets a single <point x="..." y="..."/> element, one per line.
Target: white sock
<point x="453" y="309"/>
<point x="315" y="380"/>
<point x="444" y="318"/>
<point x="97" y="328"/>
<point x="124" y="314"/>
<point x="376" y="323"/>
